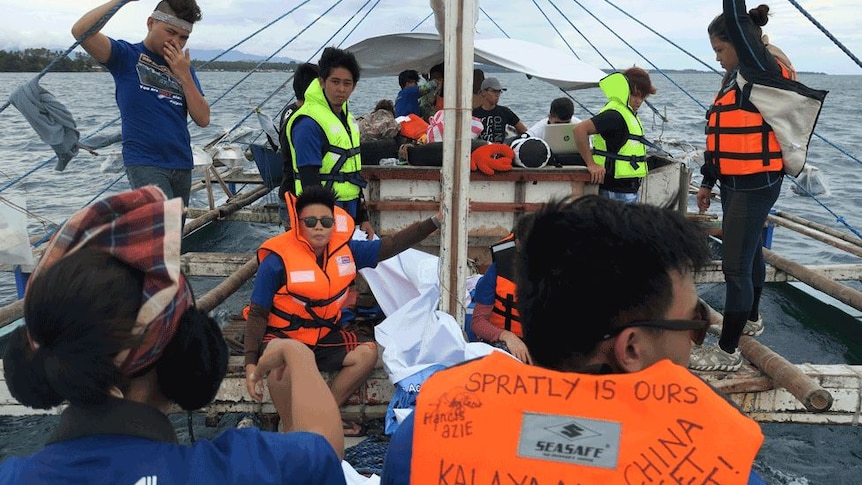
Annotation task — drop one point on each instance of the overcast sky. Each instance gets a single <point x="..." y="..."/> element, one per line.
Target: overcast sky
<point x="46" y="23"/>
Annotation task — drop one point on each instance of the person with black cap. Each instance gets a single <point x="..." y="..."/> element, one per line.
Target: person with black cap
<point x="609" y="387"/>
<point x="112" y="331"/>
<point x="496" y="117"/>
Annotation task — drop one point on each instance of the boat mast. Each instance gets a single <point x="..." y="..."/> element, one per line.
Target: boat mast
<point x="460" y="19"/>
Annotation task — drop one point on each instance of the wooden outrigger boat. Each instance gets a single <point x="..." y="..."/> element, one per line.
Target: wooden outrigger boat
<point x="768" y="388"/>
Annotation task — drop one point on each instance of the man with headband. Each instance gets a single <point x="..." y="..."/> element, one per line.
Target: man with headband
<point x="112" y="331"/>
<point x="156" y="91"/>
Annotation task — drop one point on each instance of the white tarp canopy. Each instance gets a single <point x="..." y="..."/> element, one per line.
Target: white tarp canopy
<point x="387" y="55"/>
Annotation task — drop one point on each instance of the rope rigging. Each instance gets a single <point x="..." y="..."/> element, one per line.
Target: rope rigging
<point x="567" y="19"/>
<point x="826" y="32"/>
<point x="660" y="71"/>
<point x="363" y="18"/>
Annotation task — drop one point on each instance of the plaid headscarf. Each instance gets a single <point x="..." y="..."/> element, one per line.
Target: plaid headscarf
<point x="143" y="230"/>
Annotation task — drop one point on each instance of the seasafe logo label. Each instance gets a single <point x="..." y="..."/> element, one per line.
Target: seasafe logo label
<point x="568" y="439"/>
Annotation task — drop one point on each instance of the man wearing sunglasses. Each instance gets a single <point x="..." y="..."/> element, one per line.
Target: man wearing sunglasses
<point x="609" y="306"/>
<point x="301" y="286"/>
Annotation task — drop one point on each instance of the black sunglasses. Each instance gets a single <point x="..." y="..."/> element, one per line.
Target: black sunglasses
<point x="698" y="327"/>
<point x="311" y="222"/>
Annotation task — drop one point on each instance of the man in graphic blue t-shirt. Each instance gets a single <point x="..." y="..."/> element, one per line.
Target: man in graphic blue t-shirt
<point x="156" y="91"/>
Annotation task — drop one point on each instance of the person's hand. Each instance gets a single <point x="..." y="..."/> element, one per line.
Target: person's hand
<point x="704" y="198"/>
<point x="516" y="346"/>
<point x="369" y="230"/>
<point x="597" y="172"/>
<point x="253" y="385"/>
<point x="403" y="151"/>
<point x="178" y="60"/>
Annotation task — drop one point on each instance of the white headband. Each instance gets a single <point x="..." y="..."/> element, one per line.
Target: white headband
<point x="171" y="19"/>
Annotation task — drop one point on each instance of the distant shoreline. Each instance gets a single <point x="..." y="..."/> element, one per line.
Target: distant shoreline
<point x="36" y="60"/>
<point x="290" y="67"/>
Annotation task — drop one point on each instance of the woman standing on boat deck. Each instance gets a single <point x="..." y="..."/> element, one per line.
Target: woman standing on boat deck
<point x="112" y="331"/>
<point x="301" y="286"/>
<point x="744" y="156"/>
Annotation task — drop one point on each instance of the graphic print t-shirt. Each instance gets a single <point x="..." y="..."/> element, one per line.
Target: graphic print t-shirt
<point x="152" y="107"/>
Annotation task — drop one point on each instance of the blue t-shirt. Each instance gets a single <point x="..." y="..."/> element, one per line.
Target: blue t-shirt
<point x="236" y="456"/>
<point x="308" y="138"/>
<point x="152" y="107"/>
<point x="486" y="287"/>
<point x="270" y="275"/>
<point x="407" y="101"/>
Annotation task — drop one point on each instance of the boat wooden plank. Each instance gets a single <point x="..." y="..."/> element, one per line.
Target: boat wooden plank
<point x="263" y="215"/>
<point x="223" y="264"/>
<point x="844" y="382"/>
<point x="212" y="264"/>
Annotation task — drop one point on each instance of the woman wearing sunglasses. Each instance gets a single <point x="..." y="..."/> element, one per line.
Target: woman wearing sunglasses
<point x="303" y="283"/>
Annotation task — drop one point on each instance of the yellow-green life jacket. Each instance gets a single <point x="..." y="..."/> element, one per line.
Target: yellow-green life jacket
<point x="340" y="161"/>
<point x="630" y="160"/>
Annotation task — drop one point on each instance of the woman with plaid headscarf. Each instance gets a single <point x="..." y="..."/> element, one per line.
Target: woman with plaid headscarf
<point x="112" y="331"/>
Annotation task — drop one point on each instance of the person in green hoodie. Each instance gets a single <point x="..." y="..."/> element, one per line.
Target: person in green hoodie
<point x="618" y="136"/>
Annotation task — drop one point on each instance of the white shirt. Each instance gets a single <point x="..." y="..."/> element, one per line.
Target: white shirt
<point x="538" y="130"/>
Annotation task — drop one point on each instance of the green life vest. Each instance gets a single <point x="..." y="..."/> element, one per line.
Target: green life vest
<point x="630" y="160"/>
<point x="340" y="161"/>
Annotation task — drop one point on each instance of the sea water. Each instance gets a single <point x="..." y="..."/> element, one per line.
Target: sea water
<point x="799" y="328"/>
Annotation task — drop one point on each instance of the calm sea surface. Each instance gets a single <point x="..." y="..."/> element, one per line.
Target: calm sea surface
<point x="798" y="327"/>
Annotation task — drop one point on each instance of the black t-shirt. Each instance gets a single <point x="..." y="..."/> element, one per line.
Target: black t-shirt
<point x="494" y="122"/>
<point x="612" y="126"/>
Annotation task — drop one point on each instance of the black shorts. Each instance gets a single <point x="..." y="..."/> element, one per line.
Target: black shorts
<point x="330" y="351"/>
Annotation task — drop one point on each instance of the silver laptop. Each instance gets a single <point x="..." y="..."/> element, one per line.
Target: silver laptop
<point x="561" y="138"/>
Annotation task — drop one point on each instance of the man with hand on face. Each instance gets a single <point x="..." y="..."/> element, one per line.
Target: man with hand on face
<point x="156" y="90"/>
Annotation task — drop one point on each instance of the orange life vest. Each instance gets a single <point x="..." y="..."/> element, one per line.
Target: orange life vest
<point x="505" y="315"/>
<point x="497" y="420"/>
<point x="309" y="305"/>
<point x="738" y="139"/>
<point x="414" y="127"/>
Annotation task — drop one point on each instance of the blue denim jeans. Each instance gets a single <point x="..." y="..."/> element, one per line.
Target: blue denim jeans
<point x="174" y="183"/>
<point x="744" y="215"/>
<point x="628" y="198"/>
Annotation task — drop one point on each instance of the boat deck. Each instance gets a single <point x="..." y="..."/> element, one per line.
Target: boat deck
<point x="753" y="391"/>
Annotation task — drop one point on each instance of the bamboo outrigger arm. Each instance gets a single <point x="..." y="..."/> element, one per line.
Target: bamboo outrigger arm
<point x="781" y="372"/>
<point x="818" y="231"/>
<point x="228" y="286"/>
<point x="229" y="207"/>
<point x="840" y="292"/>
<point x="11" y="312"/>
<point x="814" y="397"/>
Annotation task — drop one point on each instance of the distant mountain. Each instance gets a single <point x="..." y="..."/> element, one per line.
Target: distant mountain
<point x="207" y="54"/>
